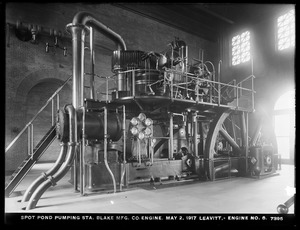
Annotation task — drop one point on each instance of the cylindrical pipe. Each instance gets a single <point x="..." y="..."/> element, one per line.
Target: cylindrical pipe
<point x="52" y="112"/>
<point x="171" y="144"/>
<point x="105" y="149"/>
<point x="57" y="102"/>
<point x="50" y="172"/>
<point x="133" y="83"/>
<point x="124" y="148"/>
<point x="219" y="81"/>
<point x="252" y="93"/>
<point x="85" y="18"/>
<point x="82" y="152"/>
<point x="51" y="181"/>
<point x="92" y="57"/>
<point x="78" y="38"/>
<point x="195" y="134"/>
<point x="28" y="140"/>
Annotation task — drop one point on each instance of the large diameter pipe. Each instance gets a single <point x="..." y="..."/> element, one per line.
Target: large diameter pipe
<point x="52" y="180"/>
<point x="78" y="29"/>
<point x="78" y="38"/>
<point x="45" y="175"/>
<point x="92" y="58"/>
<point x="87" y="19"/>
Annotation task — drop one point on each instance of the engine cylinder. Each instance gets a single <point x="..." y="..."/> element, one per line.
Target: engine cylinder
<point x="94" y="126"/>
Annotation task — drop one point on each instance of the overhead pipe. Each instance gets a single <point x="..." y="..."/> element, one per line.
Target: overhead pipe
<point x="78" y="28"/>
<point x="45" y="175"/>
<point x="52" y="180"/>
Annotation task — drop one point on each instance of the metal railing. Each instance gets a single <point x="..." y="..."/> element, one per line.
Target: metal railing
<point x="192" y="84"/>
<point x="29" y="126"/>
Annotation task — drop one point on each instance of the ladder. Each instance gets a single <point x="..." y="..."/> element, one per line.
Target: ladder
<point x="34" y="153"/>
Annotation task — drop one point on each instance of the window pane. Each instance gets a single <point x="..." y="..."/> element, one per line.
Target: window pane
<point x="241" y="48"/>
<point x="286" y="30"/>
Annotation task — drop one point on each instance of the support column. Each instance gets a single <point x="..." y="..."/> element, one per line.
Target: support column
<point x="171" y="144"/>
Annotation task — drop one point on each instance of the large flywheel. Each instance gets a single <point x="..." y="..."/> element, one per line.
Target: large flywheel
<point x="226" y="140"/>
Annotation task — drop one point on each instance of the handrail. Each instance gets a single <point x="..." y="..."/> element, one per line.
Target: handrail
<point x="251" y="76"/>
<point x="32" y="120"/>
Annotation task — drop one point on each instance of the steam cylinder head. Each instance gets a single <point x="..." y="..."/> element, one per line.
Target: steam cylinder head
<point x="94" y="126"/>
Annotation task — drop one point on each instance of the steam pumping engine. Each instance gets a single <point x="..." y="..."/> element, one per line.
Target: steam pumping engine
<point x="168" y="119"/>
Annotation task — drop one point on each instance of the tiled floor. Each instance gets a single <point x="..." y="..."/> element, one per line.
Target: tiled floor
<point x="235" y="195"/>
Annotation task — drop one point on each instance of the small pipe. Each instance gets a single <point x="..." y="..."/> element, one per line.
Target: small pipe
<point x="52" y="112"/>
<point x="219" y="81"/>
<point x="57" y="102"/>
<point x="124" y="147"/>
<point x="171" y="144"/>
<point x="28" y="140"/>
<point x="139" y="150"/>
<point x="252" y="93"/>
<point x="195" y="134"/>
<point x="92" y="59"/>
<point x="105" y="149"/>
<point x="106" y="82"/>
<point x="133" y="83"/>
<point x="82" y="152"/>
<point x="52" y="180"/>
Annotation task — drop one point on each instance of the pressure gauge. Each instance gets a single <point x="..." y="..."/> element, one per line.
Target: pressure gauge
<point x="134" y="131"/>
<point x="148" y="121"/>
<point x="134" y="121"/>
<point x="142" y="116"/>
<point x="141" y="136"/>
<point x="148" y="131"/>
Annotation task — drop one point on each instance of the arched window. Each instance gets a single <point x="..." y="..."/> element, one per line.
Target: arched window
<point x="284" y="124"/>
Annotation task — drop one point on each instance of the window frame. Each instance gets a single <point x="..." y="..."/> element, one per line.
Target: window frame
<point x="276" y="31"/>
<point x="231" y="47"/>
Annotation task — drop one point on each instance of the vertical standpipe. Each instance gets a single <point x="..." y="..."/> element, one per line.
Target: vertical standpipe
<point x="78" y="28"/>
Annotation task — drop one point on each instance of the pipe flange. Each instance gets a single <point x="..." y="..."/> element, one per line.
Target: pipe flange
<point x="44" y="175"/>
<point x="73" y="144"/>
<point x="84" y="27"/>
<point x="51" y="179"/>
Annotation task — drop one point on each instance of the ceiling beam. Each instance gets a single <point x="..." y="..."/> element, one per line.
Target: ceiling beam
<point x="224" y="19"/>
<point x="173" y="19"/>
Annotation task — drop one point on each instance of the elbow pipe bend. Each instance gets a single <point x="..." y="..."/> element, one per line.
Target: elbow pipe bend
<point x="50" y="172"/>
<point x="52" y="180"/>
<point x="86" y="19"/>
